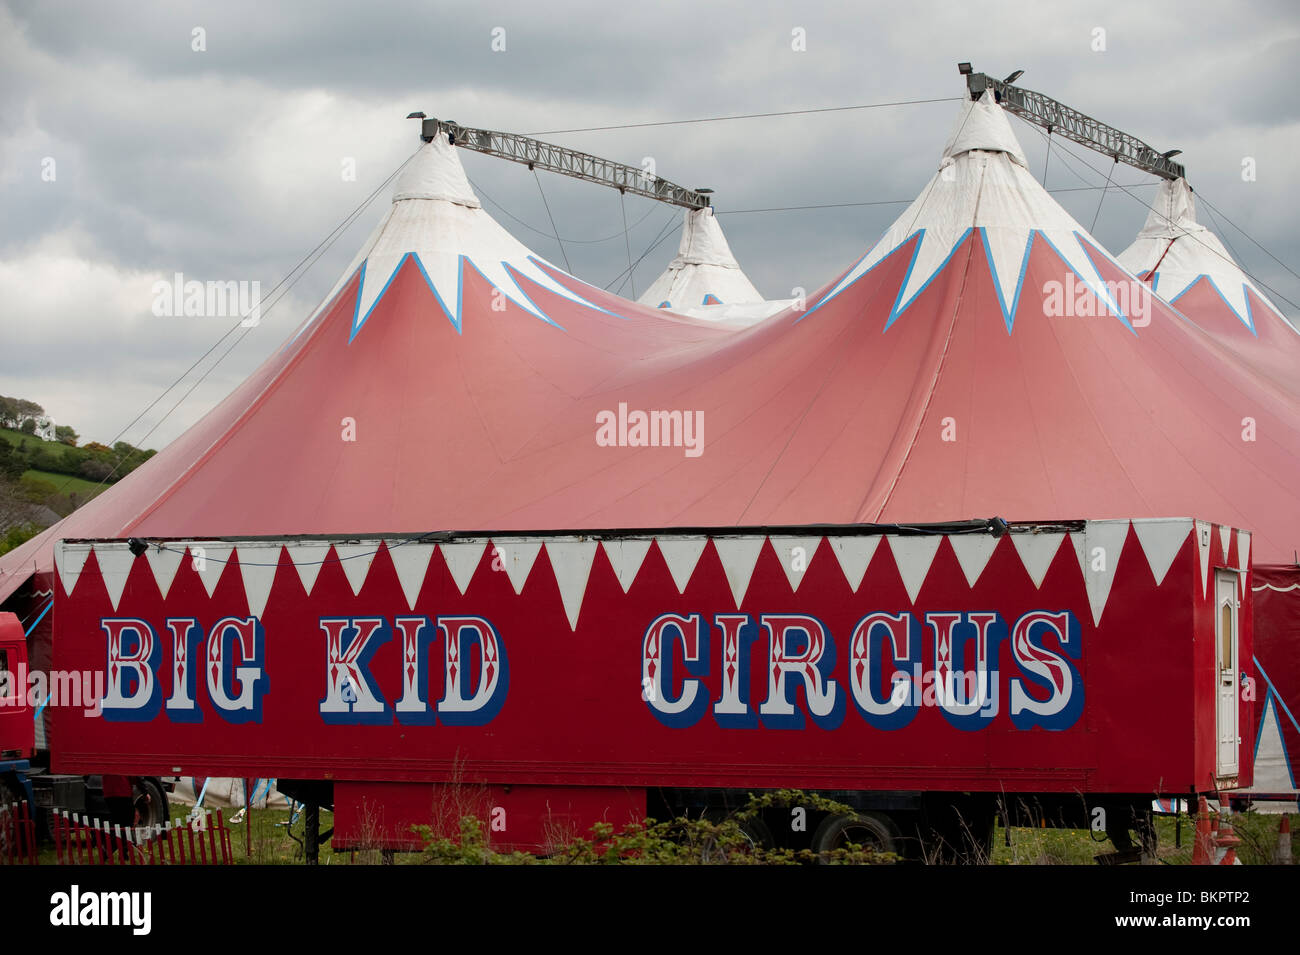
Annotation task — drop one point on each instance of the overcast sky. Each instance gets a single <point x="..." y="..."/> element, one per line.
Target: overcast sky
<point x="226" y="163"/>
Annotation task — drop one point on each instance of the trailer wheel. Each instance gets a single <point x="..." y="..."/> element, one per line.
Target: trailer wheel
<point x="150" y="802"/>
<point x="871" y="830"/>
<point x="1123" y="827"/>
<point x="757" y="837"/>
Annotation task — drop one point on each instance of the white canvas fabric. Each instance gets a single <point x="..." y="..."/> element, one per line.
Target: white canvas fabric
<point x="224" y="792"/>
<point x="741" y="315"/>
<point x="703" y="269"/>
<point x="1182" y="252"/>
<point x="436" y="218"/>
<point x="982" y="184"/>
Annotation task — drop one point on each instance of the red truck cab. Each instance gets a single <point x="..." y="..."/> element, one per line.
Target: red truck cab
<point x="17" y="728"/>
<point x="144" y="798"/>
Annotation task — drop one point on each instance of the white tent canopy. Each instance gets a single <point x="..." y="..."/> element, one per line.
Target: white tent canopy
<point x="1180" y="251"/>
<point x="705" y="280"/>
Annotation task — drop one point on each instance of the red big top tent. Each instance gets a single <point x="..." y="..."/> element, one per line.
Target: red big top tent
<point x="975" y="362"/>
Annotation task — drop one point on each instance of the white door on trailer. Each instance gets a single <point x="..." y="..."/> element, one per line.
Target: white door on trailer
<point x="1226" y="606"/>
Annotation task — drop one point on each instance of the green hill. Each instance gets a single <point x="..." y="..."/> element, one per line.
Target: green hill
<point x="68" y="484"/>
<point x="17" y="437"/>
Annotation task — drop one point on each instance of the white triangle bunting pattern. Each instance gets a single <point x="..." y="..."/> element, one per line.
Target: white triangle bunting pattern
<point x="462" y="558"/>
<point x="681" y="554"/>
<point x="69" y="559"/>
<point x="355" y="559"/>
<point x="411" y="562"/>
<point x="1243" y="559"/>
<point x="626" y="555"/>
<point x="913" y="556"/>
<point x="795" y="550"/>
<point x="1109" y="536"/>
<point x="1037" y="551"/>
<point x="115" y="563"/>
<point x="1161" y="541"/>
<point x="973" y="552"/>
<point x="571" y="562"/>
<point x="209" y="560"/>
<point x="308" y="558"/>
<point x="164" y="561"/>
<point x="1076" y="542"/>
<point x="854" y="554"/>
<point x="517" y="555"/>
<point x="739" y="555"/>
<point x="257" y="565"/>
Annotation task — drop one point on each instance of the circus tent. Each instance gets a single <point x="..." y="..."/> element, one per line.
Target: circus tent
<point x="705" y="280"/>
<point x="985" y="357"/>
<point x="1187" y="265"/>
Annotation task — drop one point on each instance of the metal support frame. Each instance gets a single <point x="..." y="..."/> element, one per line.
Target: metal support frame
<point x="536" y="154"/>
<point x="1075" y="126"/>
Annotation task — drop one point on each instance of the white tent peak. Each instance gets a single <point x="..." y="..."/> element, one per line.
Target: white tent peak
<point x="1180" y="252"/>
<point x="436" y="221"/>
<point x="705" y="280"/>
<point x="1173" y="213"/>
<point x="983" y="125"/>
<point x="435" y="172"/>
<point x="983" y="185"/>
<point x="703" y="242"/>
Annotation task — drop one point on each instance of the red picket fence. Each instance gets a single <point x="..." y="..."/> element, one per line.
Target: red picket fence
<point x="17" y="834"/>
<point x="79" y="840"/>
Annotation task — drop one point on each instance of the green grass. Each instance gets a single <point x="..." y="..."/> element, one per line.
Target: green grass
<point x="1258" y="834"/>
<point x="263" y="839"/>
<point x="68" y="483"/>
<point x="17" y="437"/>
<point x="63" y="483"/>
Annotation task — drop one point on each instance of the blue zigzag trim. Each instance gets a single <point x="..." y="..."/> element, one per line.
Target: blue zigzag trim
<point x="1248" y="319"/>
<point x="455" y="316"/>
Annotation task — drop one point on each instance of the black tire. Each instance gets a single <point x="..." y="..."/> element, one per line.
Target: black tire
<point x="150" y="802"/>
<point x="871" y="830"/>
<point x="1128" y="831"/>
<point x="757" y="835"/>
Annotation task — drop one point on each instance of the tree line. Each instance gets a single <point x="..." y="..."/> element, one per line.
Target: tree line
<point x="26" y="501"/>
<point x="92" y="461"/>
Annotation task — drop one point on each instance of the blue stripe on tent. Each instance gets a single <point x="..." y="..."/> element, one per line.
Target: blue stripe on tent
<point x="1246" y="319"/>
<point x="898" y="309"/>
<point x="454" y="318"/>
<point x="1272" y="696"/>
<point x="537" y="312"/>
<point x="833" y="294"/>
<point x="1271" y="699"/>
<point x="1008" y="314"/>
<point x="541" y="265"/>
<point x="1111" y="306"/>
<point x="1281" y="702"/>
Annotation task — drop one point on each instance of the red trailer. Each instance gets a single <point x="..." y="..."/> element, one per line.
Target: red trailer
<point x="1276" y="733"/>
<point x="930" y="676"/>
